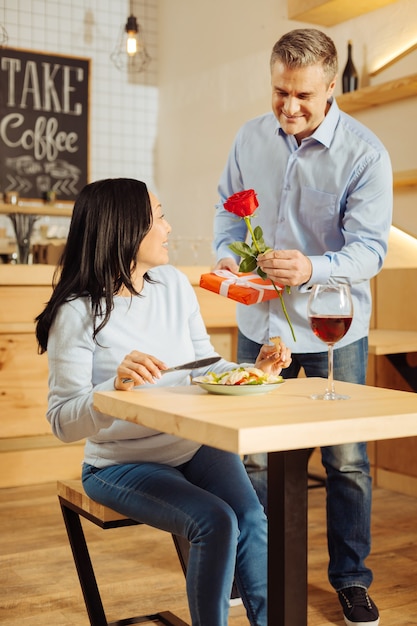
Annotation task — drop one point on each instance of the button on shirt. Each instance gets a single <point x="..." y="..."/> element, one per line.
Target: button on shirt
<point x="329" y="197"/>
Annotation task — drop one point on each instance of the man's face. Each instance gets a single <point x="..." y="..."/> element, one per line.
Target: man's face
<point x="299" y="98"/>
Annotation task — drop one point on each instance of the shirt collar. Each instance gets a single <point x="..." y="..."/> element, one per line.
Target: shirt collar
<point x="324" y="133"/>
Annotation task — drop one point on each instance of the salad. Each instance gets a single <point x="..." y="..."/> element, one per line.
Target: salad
<point x="240" y="376"/>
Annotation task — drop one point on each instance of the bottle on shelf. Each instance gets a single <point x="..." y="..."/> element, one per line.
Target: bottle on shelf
<point x="350" y="75"/>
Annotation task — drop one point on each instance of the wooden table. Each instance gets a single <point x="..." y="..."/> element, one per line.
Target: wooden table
<point x="286" y="423"/>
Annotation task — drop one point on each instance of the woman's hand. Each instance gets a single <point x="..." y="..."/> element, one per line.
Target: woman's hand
<point x="139" y="369"/>
<point x="272" y="359"/>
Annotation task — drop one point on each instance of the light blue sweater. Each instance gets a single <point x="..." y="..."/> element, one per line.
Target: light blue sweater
<point x="164" y="321"/>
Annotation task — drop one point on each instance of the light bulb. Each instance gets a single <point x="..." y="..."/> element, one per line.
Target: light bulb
<point x="131" y="47"/>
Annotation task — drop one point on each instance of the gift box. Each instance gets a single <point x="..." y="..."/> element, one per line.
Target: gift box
<point x="244" y="288"/>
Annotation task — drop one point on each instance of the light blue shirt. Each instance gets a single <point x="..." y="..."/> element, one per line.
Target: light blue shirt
<point x="330" y="198"/>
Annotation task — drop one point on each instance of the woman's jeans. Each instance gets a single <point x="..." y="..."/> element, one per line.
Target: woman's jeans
<point x="211" y="502"/>
<point x="348" y="484"/>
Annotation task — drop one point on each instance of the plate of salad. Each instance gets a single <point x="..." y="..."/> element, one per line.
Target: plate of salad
<point x="242" y="381"/>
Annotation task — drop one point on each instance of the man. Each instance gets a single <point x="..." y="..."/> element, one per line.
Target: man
<point x="324" y="186"/>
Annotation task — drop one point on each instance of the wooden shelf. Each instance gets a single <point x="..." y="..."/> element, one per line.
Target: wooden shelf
<point x="407" y="178"/>
<point x="378" y="95"/>
<point x="331" y="12"/>
<point x="37" y="209"/>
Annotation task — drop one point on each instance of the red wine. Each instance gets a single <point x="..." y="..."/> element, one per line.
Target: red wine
<point x="330" y="328"/>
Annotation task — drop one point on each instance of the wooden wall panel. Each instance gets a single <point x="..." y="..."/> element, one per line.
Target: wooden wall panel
<point x="398" y="455"/>
<point x="224" y="342"/>
<point x="23" y="385"/>
<point x="36" y="466"/>
<point x="396" y="298"/>
<point x="22" y="304"/>
<point x="217" y="311"/>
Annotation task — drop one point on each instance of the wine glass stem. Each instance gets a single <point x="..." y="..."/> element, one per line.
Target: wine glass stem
<point x="330" y="381"/>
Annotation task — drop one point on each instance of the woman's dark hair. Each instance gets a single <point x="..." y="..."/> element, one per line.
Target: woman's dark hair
<point x="109" y="221"/>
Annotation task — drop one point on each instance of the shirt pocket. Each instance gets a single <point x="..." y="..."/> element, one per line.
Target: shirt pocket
<point x="318" y="211"/>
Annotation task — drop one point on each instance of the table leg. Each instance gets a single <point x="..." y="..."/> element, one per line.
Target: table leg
<point x="287" y="538"/>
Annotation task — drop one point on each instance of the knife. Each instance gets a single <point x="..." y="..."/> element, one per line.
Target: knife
<point x="192" y="365"/>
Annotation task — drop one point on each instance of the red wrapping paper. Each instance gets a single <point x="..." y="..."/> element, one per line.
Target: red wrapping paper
<point x="244" y="288"/>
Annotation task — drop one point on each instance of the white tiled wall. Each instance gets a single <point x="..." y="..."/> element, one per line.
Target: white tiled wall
<point x="123" y="109"/>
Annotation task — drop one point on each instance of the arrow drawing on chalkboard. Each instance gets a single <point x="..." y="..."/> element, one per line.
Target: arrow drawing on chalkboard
<point x="67" y="186"/>
<point x="17" y="183"/>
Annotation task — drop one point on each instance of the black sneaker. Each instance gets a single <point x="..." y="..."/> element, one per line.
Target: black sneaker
<point x="358" y="607"/>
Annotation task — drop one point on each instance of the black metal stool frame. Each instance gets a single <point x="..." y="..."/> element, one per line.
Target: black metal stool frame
<point x="71" y="514"/>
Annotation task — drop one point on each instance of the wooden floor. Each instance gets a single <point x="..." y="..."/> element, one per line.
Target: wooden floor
<point x="138" y="571"/>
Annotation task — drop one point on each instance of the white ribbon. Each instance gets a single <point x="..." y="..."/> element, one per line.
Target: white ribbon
<point x="241" y="281"/>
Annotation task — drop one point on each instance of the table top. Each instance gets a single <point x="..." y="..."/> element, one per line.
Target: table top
<point x="285" y="419"/>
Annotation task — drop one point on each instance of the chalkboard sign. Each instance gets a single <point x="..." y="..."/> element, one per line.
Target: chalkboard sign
<point x="44" y="124"/>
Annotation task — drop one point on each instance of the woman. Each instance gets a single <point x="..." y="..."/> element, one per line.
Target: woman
<point x="119" y="311"/>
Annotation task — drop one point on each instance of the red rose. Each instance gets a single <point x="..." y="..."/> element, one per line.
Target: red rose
<point x="242" y="203"/>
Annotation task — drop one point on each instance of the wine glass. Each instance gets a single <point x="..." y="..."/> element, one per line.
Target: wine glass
<point x="330" y="312"/>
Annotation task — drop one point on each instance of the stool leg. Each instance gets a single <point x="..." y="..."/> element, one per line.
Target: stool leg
<point x="165" y="617"/>
<point x="169" y="619"/>
<point x="182" y="547"/>
<point x="84" y="567"/>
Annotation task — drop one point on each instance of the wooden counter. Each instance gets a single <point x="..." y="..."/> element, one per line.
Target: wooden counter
<point x="29" y="452"/>
<point x="393" y="355"/>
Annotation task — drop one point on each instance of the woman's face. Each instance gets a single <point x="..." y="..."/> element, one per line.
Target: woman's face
<point x="153" y="250"/>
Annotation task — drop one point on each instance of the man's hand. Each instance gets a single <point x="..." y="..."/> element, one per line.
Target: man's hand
<point x="286" y="267"/>
<point x="228" y="263"/>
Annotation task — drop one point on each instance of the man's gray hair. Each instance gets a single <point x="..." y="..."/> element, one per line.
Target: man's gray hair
<point x="306" y="46"/>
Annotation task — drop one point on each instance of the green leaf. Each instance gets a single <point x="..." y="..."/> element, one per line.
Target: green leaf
<point x="240" y="248"/>
<point x="248" y="264"/>
<point x="261" y="273"/>
<point x="258" y="232"/>
<point x="261" y="246"/>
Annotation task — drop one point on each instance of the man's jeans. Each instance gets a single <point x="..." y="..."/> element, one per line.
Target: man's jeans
<point x="211" y="502"/>
<point x="348" y="483"/>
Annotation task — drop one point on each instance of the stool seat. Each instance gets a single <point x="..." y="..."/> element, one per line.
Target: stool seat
<point x="72" y="492"/>
<point x="75" y="504"/>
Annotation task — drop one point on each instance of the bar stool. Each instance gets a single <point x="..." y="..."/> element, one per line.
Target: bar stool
<point x="76" y="504"/>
